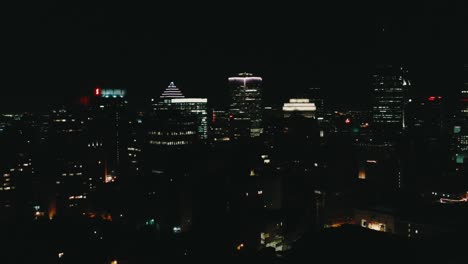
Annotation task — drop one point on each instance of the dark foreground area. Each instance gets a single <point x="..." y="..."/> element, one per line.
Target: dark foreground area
<point x="94" y="242"/>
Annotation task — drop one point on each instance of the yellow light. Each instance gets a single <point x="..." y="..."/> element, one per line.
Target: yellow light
<point x="239" y="247"/>
<point x="114" y="262"/>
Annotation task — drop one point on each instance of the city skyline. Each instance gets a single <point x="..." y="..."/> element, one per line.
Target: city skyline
<point x="153" y="133"/>
<point x="82" y="47"/>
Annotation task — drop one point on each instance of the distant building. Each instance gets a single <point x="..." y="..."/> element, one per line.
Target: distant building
<point x="220" y="131"/>
<point x="246" y="104"/>
<point x="421" y="223"/>
<point x="110" y="127"/>
<point x="316" y="97"/>
<point x="390" y="86"/>
<point x="425" y="117"/>
<point x="301" y="107"/>
<point x="176" y="120"/>
<point x="460" y="129"/>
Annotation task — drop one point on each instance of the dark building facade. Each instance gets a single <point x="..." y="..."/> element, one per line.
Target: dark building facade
<point x="390" y="88"/>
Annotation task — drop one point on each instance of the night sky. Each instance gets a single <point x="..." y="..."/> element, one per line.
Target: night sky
<point x="61" y="50"/>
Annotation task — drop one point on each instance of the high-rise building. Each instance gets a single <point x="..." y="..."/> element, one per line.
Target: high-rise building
<point x="460" y="129"/>
<point x="76" y="172"/>
<point x="425" y="117"/>
<point x="177" y="120"/>
<point x="220" y="126"/>
<point x="110" y="126"/>
<point x="301" y="107"/>
<point x="315" y="96"/>
<point x="390" y="86"/>
<point x="246" y="104"/>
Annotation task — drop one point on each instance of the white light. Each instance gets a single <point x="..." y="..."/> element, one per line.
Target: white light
<point x="189" y="100"/>
<point x="299" y="100"/>
<point x="299" y="105"/>
<point x="245" y="79"/>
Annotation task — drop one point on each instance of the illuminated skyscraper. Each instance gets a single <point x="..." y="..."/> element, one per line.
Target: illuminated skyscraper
<point x="178" y="120"/>
<point x="110" y="124"/>
<point x="390" y="85"/>
<point x="302" y="107"/>
<point x="246" y="103"/>
<point x="461" y="128"/>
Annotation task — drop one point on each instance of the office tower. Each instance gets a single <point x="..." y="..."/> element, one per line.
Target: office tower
<point x="16" y="175"/>
<point x="246" y="105"/>
<point x="300" y="124"/>
<point x="219" y="126"/>
<point x="176" y="120"/>
<point x="70" y="149"/>
<point x="136" y="144"/>
<point x="273" y="117"/>
<point x="390" y="85"/>
<point x="316" y="97"/>
<point x="460" y="130"/>
<point x="110" y="126"/>
<point x="425" y="118"/>
<point x="195" y="108"/>
<point x="301" y="107"/>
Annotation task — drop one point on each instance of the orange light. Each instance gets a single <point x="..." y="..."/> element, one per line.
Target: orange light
<point x="52" y="209"/>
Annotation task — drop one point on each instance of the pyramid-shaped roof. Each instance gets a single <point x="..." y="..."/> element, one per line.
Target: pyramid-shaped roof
<point x="172" y="92"/>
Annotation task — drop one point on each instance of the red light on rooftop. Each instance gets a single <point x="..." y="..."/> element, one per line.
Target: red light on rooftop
<point x="97" y="91"/>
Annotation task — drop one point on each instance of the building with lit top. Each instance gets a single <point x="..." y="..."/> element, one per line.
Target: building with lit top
<point x="176" y="120"/>
<point x="390" y="86"/>
<point x="110" y="127"/>
<point x="246" y="104"/>
<point x="299" y="106"/>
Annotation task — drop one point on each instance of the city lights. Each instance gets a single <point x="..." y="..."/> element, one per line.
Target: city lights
<point x="127" y="139"/>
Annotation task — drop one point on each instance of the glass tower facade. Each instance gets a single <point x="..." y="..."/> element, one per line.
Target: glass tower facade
<point x="461" y="128"/>
<point x="246" y="103"/>
<point x="178" y="120"/>
<point x="390" y="87"/>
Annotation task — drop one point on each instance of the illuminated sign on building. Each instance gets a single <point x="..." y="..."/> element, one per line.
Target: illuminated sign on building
<point x="110" y="93"/>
